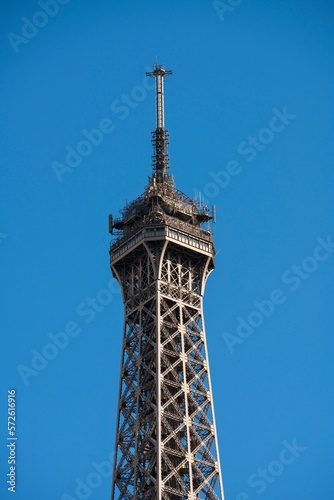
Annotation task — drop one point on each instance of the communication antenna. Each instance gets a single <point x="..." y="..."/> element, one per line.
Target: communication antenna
<point x="160" y="136"/>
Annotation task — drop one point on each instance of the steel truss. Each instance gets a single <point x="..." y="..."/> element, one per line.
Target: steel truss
<point x="166" y="444"/>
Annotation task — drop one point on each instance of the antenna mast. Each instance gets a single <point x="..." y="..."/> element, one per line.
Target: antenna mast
<point x="160" y="136"/>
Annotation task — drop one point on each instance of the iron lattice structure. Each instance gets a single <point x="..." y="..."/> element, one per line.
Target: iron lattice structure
<point x="166" y="443"/>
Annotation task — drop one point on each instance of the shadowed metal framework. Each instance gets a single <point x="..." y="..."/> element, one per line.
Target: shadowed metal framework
<point x="166" y="443"/>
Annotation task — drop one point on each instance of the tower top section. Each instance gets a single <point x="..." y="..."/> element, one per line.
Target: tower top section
<point x="160" y="137"/>
<point x="161" y="204"/>
<point x="159" y="72"/>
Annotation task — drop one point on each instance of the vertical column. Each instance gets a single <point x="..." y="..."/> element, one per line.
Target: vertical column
<point x="159" y="72"/>
<point x="159" y="87"/>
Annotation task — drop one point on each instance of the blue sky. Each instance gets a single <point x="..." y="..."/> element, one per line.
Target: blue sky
<point x="249" y="109"/>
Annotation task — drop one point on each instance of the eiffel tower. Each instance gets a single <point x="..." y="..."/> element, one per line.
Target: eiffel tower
<point x="166" y="440"/>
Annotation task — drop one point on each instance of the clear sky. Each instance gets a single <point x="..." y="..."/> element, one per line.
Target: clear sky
<point x="249" y="108"/>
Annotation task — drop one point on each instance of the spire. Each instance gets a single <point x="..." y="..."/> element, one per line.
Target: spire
<point x="159" y="72"/>
<point x="160" y="135"/>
